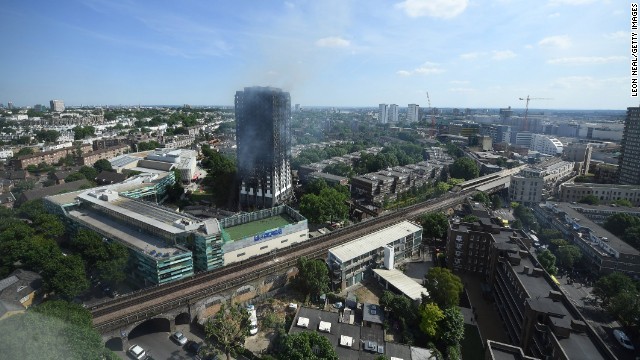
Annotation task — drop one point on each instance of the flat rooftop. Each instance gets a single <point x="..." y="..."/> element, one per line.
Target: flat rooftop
<point x="579" y="345"/>
<point x="613" y="241"/>
<point x="376" y="240"/>
<point x="242" y="231"/>
<point x="140" y="241"/>
<point x="403" y="283"/>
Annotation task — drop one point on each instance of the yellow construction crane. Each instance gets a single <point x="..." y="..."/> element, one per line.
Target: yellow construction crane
<point x="525" y="123"/>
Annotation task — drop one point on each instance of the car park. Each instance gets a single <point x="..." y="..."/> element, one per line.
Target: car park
<point x="623" y="339"/>
<point x="179" y="338"/>
<point x="137" y="352"/>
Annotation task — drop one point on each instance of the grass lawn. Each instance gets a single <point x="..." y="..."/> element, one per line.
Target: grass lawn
<point x="472" y="346"/>
<point x="255" y="227"/>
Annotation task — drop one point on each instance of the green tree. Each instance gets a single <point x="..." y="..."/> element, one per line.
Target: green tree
<point x="568" y="255"/>
<point x="430" y="316"/>
<point x="481" y="197"/>
<point x="548" y="261"/>
<point x="63" y="331"/>
<point x="49" y="136"/>
<point x="464" y="168"/>
<point x="618" y="223"/>
<point x="496" y="202"/>
<point x="623" y="202"/>
<point x="49" y="226"/>
<point x="470" y="218"/>
<point x="435" y="225"/>
<point x="589" y="199"/>
<point x="444" y="286"/>
<point x="306" y="345"/>
<point x="611" y="285"/>
<point x="451" y="327"/>
<point x="313" y="277"/>
<point x="315" y="186"/>
<point x="66" y="276"/>
<point x="329" y="205"/>
<point x="89" y="172"/>
<point x="555" y="244"/>
<point x="632" y="236"/>
<point x="625" y="307"/>
<point x="442" y="187"/>
<point x="24" y="152"/>
<point x="102" y="165"/>
<point x="74" y="177"/>
<point x="228" y="328"/>
<point x="548" y="234"/>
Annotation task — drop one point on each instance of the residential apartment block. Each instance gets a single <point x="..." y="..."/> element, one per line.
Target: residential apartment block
<point x="630" y="151"/>
<point x="49" y="157"/>
<point x="606" y="193"/>
<point x="107" y="153"/>
<point x="606" y="252"/>
<point x="538" y="317"/>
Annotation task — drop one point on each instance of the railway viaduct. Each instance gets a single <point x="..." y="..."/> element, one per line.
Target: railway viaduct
<point x="183" y="302"/>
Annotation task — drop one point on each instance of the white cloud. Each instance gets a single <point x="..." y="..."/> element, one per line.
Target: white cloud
<point x="561" y="41"/>
<point x="333" y="41"/>
<point x="428" y="68"/>
<point x="503" y="54"/>
<point x="554" y="15"/>
<point x="459" y="82"/>
<point x="586" y="60"/>
<point x="582" y="82"/>
<point x="471" y="55"/>
<point x="617" y="35"/>
<point x="462" y="90"/>
<point x="445" y="9"/>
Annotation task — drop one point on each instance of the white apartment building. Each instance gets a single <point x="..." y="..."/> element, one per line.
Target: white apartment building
<point x="526" y="187"/>
<point x="393" y="113"/>
<point x="383" y="114"/>
<point x="545" y="144"/>
<point x="413" y="113"/>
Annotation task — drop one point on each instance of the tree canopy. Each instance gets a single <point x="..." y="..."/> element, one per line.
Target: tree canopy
<point x="444" y="287"/>
<point x="464" y="168"/>
<point x="568" y="255"/>
<point x="228" y="328"/>
<point x="548" y="261"/>
<point x="57" y="329"/>
<point x="313" y="277"/>
<point x="451" y="327"/>
<point x="612" y="284"/>
<point x="430" y="315"/>
<point x="306" y="345"/>
<point x="435" y="225"/>
<point x="329" y="205"/>
<point x="589" y="199"/>
<point x="102" y="165"/>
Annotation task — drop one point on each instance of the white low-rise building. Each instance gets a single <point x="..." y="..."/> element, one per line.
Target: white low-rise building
<point x="545" y="144"/>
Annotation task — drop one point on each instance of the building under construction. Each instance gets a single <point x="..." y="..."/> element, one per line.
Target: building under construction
<point x="263" y="135"/>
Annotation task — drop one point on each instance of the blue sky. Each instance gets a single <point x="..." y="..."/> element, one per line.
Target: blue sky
<point x="465" y="53"/>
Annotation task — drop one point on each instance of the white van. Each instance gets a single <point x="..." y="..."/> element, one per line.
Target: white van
<point x="253" y="320"/>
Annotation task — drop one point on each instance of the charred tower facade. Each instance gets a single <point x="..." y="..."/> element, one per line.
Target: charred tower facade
<point x="263" y="136"/>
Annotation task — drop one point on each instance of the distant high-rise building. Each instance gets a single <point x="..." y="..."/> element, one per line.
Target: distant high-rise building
<point x="263" y="137"/>
<point x="383" y="114"/>
<point x="393" y="113"/>
<point x="413" y="113"/>
<point x="629" y="166"/>
<point x="56" y="105"/>
<point x="506" y="113"/>
<point x="10" y="105"/>
<point x="297" y="107"/>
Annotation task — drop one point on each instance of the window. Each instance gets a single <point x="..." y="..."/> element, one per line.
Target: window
<point x="264" y="247"/>
<point x="241" y="254"/>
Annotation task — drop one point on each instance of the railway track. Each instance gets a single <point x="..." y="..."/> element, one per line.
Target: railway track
<point x="152" y="301"/>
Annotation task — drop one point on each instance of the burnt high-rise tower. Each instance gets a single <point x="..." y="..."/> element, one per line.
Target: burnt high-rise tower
<point x="263" y="134"/>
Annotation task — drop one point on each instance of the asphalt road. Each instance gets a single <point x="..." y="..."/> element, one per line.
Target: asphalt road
<point x="160" y="346"/>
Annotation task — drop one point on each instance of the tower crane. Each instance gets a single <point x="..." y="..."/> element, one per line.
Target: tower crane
<point x="433" y="115"/>
<point x="525" y="123"/>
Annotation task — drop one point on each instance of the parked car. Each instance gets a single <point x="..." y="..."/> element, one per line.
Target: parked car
<point x="623" y="339"/>
<point x="137" y="352"/>
<point x="192" y="347"/>
<point x="179" y="338"/>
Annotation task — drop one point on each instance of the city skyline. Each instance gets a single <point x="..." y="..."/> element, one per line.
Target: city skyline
<point x="466" y="53"/>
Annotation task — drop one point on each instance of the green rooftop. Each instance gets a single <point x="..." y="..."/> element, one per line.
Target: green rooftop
<point x="239" y="232"/>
